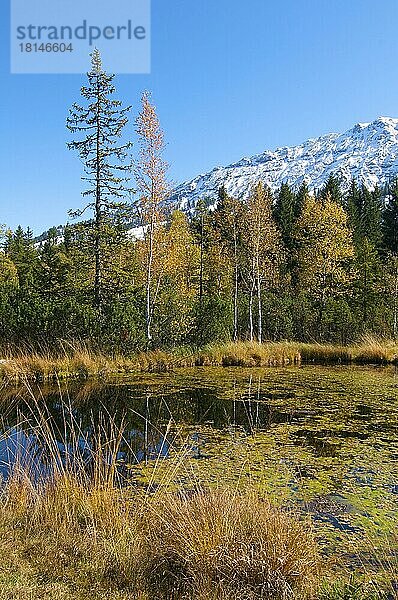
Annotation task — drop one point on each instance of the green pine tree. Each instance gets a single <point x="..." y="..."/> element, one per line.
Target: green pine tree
<point x="286" y="211"/>
<point x="101" y="122"/>
<point x="390" y="218"/>
<point x="331" y="190"/>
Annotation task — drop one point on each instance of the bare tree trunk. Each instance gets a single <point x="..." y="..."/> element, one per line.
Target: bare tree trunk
<point x="201" y="259"/>
<point x="235" y="289"/>
<point x="146" y="434"/>
<point x="251" y="311"/>
<point x="259" y="306"/>
<point x="365" y="300"/>
<point x="260" y="312"/>
<point x="322" y="304"/>
<point x="97" y="248"/>
<point x="395" y="317"/>
<point x="148" y="314"/>
<point x="234" y="405"/>
<point x="98" y="259"/>
<point x="201" y="272"/>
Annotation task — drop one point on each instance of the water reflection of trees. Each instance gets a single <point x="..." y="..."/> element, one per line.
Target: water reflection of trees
<point x="202" y="411"/>
<point x="80" y="414"/>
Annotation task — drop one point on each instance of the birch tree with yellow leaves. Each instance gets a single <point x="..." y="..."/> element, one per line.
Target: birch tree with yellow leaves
<point x="262" y="247"/>
<point x="325" y="251"/>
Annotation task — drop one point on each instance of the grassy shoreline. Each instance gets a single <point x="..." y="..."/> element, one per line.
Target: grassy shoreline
<point x="76" y="541"/>
<point x="84" y="363"/>
<point x="73" y="540"/>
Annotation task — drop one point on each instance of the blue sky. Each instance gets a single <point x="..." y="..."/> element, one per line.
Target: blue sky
<point x="229" y="78"/>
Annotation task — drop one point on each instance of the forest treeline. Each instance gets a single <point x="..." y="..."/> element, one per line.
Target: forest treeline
<point x="284" y="265"/>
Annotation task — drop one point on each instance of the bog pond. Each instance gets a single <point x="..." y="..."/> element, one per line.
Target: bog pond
<point x="320" y="440"/>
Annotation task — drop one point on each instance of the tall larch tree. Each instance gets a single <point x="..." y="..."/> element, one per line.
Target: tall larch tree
<point x="150" y="172"/>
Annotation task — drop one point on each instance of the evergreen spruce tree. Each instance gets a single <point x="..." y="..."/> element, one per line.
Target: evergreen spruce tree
<point x="365" y="211"/>
<point x="30" y="309"/>
<point x="199" y="225"/>
<point x="390" y="218"/>
<point x="101" y="123"/>
<point x="214" y="289"/>
<point x="331" y="190"/>
<point x="390" y="248"/>
<point x="20" y="249"/>
<point x="228" y="220"/>
<point x="54" y="267"/>
<point x="286" y="212"/>
<point x="353" y="206"/>
<point x="372" y="215"/>
<point x="301" y="196"/>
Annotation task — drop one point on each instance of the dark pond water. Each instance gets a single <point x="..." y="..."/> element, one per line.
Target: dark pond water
<point x="322" y="438"/>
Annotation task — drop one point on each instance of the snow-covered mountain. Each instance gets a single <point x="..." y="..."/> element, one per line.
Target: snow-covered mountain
<point x="368" y="153"/>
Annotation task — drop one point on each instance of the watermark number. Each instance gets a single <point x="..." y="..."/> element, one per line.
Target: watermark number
<point x="29" y="47"/>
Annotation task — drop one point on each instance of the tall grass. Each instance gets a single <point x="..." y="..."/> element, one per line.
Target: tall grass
<point x="70" y="529"/>
<point x="249" y="354"/>
<point x="375" y="350"/>
<point x="368" y="350"/>
<point x="80" y="361"/>
<point x="166" y="546"/>
<point x="235" y="543"/>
